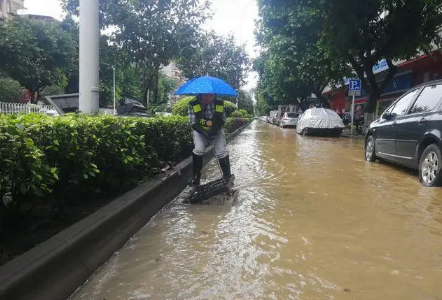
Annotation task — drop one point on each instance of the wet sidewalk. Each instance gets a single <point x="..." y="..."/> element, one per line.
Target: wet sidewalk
<point x="348" y="134"/>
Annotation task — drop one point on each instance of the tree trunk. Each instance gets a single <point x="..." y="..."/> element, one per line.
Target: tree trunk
<point x="322" y="99"/>
<point x="145" y="98"/>
<point x="376" y="91"/>
<point x="145" y="88"/>
<point x="371" y="86"/>
<point x="146" y="83"/>
<point x="157" y="79"/>
<point x="34" y="95"/>
<point x="303" y="104"/>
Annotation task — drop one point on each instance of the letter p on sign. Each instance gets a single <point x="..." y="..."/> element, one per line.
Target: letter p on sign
<point x="354" y="87"/>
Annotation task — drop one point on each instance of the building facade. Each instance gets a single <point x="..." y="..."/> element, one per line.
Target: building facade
<point x="410" y="73"/>
<point x="40" y="18"/>
<point x="173" y="72"/>
<point x="10" y="8"/>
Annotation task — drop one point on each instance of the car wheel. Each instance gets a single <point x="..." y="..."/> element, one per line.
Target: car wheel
<point x="430" y="166"/>
<point x="370" y="154"/>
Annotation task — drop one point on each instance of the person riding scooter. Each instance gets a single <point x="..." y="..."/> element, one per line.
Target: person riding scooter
<point x="207" y="117"/>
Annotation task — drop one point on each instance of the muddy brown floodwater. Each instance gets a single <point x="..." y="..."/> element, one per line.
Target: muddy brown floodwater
<point x="312" y="220"/>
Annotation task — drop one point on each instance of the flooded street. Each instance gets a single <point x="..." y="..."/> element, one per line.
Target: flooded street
<point x="312" y="220"/>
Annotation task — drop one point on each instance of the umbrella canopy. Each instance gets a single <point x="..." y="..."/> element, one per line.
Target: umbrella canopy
<point x="206" y="85"/>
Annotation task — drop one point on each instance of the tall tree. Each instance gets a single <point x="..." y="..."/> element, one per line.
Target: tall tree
<point x="111" y="56"/>
<point x="362" y="32"/>
<point x="166" y="86"/>
<point x="217" y="56"/>
<point x="262" y="108"/>
<point x="380" y="29"/>
<point x="36" y="53"/>
<point x="245" y="101"/>
<point x="377" y="29"/>
<point x="292" y="38"/>
<point x="279" y="82"/>
<point x="151" y="32"/>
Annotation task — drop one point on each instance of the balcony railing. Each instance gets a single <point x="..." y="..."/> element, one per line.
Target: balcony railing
<point x="14" y="6"/>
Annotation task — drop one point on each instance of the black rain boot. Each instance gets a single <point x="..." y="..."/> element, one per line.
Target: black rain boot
<point x="197" y="166"/>
<point x="225" y="166"/>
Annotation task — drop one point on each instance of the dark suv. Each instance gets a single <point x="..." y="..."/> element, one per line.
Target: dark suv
<point x="409" y="133"/>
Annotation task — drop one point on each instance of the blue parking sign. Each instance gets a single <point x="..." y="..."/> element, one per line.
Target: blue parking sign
<point x="354" y="87"/>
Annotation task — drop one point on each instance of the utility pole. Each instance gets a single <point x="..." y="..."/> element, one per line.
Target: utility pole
<point x="89" y="56"/>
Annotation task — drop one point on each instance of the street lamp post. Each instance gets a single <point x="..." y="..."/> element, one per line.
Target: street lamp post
<point x="89" y="56"/>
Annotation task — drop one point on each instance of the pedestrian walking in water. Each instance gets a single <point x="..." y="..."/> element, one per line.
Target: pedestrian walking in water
<point x="207" y="117"/>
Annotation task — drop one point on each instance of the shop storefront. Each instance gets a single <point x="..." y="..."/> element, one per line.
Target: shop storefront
<point x="400" y="83"/>
<point x="337" y="99"/>
<point x="410" y="73"/>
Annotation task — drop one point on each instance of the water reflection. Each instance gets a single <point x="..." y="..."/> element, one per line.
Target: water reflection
<point x="312" y="220"/>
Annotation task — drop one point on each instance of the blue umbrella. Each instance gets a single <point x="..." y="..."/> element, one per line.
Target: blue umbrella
<point x="206" y="85"/>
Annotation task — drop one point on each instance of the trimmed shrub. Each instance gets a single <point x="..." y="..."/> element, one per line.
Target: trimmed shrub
<point x="53" y="168"/>
<point x="233" y="124"/>
<point x="237" y="114"/>
<point x="10" y="90"/>
<point x="245" y="114"/>
<point x="181" y="108"/>
<point x="56" y="160"/>
<point x="241" y="114"/>
<point x="229" y="108"/>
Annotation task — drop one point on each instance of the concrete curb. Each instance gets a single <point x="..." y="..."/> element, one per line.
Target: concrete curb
<point x="355" y="137"/>
<point x="54" y="269"/>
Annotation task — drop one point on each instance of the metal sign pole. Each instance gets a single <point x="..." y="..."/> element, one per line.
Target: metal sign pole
<point x="353" y="90"/>
<point x="352" y="114"/>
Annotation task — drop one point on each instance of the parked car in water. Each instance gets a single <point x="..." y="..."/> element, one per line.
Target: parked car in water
<point x="409" y="133"/>
<point x="320" y="122"/>
<point x="276" y="120"/>
<point x="289" y="119"/>
<point x="272" y="116"/>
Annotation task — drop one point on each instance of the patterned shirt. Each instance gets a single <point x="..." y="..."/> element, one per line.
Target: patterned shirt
<point x="208" y="111"/>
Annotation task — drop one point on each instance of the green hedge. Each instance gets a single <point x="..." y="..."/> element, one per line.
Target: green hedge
<point x="57" y="159"/>
<point x="245" y="114"/>
<point x="181" y="107"/>
<point x="10" y="90"/>
<point x="234" y="123"/>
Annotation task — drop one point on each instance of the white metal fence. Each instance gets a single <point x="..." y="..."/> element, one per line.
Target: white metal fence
<point x="24" y="108"/>
<point x="106" y="111"/>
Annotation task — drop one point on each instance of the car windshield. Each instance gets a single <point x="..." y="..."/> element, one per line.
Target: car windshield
<point x="292" y="115"/>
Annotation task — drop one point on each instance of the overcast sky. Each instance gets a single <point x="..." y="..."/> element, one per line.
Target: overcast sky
<point x="236" y="16"/>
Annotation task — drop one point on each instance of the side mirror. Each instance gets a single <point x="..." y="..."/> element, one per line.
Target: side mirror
<point x="386" y="116"/>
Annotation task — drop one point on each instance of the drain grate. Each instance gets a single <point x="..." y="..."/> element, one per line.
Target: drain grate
<point x="211" y="189"/>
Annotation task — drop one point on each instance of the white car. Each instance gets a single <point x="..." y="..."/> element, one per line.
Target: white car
<point x="49" y="112"/>
<point x="320" y="122"/>
<point x="289" y="119"/>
